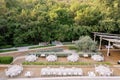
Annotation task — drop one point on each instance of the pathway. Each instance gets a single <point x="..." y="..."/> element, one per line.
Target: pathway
<point x="71" y="78"/>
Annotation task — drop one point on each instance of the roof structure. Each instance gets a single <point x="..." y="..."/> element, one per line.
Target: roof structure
<point x="114" y="38"/>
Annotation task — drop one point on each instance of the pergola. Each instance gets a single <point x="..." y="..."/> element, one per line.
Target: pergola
<point x="114" y="38"/>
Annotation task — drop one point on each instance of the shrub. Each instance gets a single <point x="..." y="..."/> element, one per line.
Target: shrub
<point x="86" y="44"/>
<point x="6" y="60"/>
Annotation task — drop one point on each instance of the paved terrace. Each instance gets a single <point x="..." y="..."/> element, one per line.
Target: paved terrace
<point x="71" y="78"/>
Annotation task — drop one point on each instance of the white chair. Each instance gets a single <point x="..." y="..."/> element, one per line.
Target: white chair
<point x="54" y="73"/>
<point x="64" y="73"/>
<point x="91" y="74"/>
<point x="28" y="74"/>
<point x="75" y="73"/>
<point x="69" y="73"/>
<point x="59" y="73"/>
<point x="48" y="73"/>
<point x="85" y="55"/>
<point x="43" y="74"/>
<point x="80" y="74"/>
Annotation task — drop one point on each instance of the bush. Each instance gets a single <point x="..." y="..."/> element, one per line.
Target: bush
<point x="6" y="60"/>
<point x="86" y="44"/>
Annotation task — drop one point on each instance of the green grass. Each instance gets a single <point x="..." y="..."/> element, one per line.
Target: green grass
<point x="40" y="46"/>
<point x="61" y="63"/>
<point x="107" y="63"/>
<point x="7" y="50"/>
<point x="6" y="59"/>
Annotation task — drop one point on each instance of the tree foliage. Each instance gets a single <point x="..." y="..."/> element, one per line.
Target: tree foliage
<point x="34" y="21"/>
<point x="85" y="43"/>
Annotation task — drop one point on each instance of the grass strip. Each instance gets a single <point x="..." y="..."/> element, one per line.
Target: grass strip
<point x="66" y="63"/>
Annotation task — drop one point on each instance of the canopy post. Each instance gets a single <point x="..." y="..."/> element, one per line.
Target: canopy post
<point x="108" y="50"/>
<point x="100" y="42"/>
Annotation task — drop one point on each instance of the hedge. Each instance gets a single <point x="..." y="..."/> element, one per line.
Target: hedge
<point x="6" y="59"/>
<point x="8" y="50"/>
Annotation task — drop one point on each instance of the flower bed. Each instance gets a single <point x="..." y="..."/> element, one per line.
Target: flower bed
<point x="6" y="60"/>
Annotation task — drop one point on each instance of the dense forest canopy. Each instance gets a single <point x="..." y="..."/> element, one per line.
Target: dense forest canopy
<point x="34" y="21"/>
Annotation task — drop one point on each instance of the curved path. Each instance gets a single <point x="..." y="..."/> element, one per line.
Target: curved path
<point x="17" y="58"/>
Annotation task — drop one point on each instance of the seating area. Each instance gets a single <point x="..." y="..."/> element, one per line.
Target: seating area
<point x="76" y="63"/>
<point x="61" y="71"/>
<point x="100" y="70"/>
<point x="31" y="58"/>
<point x="73" y="58"/>
<point x="51" y="58"/>
<point x="13" y="70"/>
<point x="103" y="70"/>
<point x="97" y="58"/>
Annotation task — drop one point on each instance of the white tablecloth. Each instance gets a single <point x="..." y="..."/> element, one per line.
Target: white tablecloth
<point x="31" y="58"/>
<point x="14" y="70"/>
<point x="97" y="58"/>
<point x="73" y="58"/>
<point x="51" y="58"/>
<point x="103" y="70"/>
<point x="61" y="71"/>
